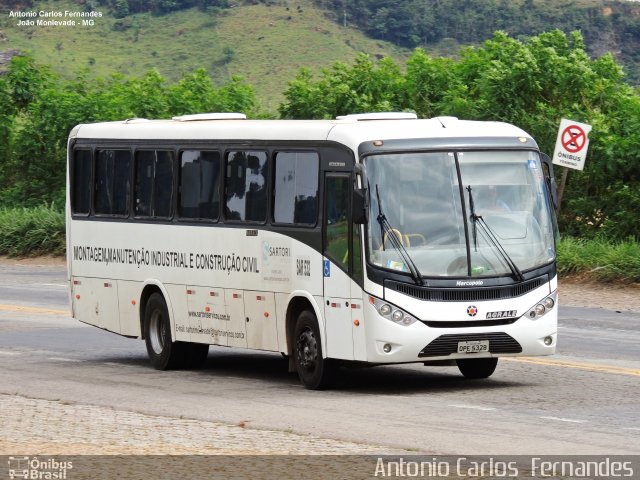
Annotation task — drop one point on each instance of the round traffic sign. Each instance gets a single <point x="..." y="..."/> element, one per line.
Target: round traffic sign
<point x="573" y="138"/>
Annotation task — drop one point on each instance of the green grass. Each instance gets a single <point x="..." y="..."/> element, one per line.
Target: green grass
<point x="337" y="240"/>
<point x="32" y="231"/>
<point x="264" y="44"/>
<point x="600" y="259"/>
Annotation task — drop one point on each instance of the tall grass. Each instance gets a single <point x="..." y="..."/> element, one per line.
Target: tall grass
<point x="600" y="259"/>
<point x="32" y="231"/>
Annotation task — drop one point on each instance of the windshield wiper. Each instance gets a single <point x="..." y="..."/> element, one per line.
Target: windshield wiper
<point x="493" y="239"/>
<point x="474" y="217"/>
<point x="386" y="228"/>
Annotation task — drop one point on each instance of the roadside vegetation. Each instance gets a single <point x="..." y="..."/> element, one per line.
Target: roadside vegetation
<point x="600" y="259"/>
<point x="531" y="83"/>
<point x="32" y="231"/>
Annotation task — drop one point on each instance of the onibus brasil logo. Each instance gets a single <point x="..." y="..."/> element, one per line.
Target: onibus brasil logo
<point x="40" y="469"/>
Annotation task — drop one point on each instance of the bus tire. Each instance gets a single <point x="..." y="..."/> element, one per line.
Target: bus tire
<point x="163" y="353"/>
<point x="474" y="368"/>
<point x="314" y="371"/>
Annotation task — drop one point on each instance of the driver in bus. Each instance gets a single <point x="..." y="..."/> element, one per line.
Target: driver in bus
<point x="493" y="201"/>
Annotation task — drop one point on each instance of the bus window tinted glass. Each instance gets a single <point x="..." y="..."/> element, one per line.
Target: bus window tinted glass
<point x="163" y="185"/>
<point x="296" y="187"/>
<point x="112" y="182"/>
<point x="154" y="180"/>
<point x="199" y="185"/>
<point x="81" y="194"/>
<point x="246" y="186"/>
<point x="337" y="219"/>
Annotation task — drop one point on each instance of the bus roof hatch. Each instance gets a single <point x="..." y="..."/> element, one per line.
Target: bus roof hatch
<point x="210" y="116"/>
<point x="358" y="117"/>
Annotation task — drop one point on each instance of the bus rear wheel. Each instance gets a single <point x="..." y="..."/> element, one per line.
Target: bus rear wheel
<point x="474" y="368"/>
<point x="163" y="353"/>
<point x="314" y="371"/>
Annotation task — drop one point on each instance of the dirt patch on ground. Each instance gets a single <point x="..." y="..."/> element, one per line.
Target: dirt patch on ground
<point x="34" y="261"/>
<point x="577" y="292"/>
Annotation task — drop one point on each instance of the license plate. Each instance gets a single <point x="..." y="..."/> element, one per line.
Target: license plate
<point x="476" y="346"/>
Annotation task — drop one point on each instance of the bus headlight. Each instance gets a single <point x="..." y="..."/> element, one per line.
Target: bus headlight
<point x="543" y="307"/>
<point x="392" y="313"/>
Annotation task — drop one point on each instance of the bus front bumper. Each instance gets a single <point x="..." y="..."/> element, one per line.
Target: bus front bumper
<point x="393" y="343"/>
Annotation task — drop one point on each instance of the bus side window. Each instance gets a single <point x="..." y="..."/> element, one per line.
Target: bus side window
<point x="144" y="182"/>
<point x="296" y="188"/>
<point x="199" y="185"/>
<point x="112" y="182"/>
<point x="154" y="183"/>
<point x="337" y="219"/>
<point x="81" y="182"/>
<point x="163" y="185"/>
<point x="246" y="186"/>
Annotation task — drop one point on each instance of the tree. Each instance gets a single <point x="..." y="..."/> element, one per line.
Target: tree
<point x="236" y="96"/>
<point x="342" y="90"/>
<point x="7" y="120"/>
<point x="427" y="81"/>
<point x="194" y="93"/>
<point x="121" y="9"/>
<point x="25" y="80"/>
<point x="148" y="96"/>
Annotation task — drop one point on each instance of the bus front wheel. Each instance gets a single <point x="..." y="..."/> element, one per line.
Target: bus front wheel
<point x="314" y="371"/>
<point x="163" y="353"/>
<point x="477" y="367"/>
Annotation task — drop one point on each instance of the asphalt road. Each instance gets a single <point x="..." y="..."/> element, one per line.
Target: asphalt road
<point x="582" y="401"/>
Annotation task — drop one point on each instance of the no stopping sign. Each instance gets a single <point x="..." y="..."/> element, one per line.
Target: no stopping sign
<point x="572" y="144"/>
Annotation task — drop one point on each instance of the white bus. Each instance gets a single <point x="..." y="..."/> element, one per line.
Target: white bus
<point x="369" y="239"/>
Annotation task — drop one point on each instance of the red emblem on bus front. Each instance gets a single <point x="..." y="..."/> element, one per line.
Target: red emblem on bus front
<point x="472" y="310"/>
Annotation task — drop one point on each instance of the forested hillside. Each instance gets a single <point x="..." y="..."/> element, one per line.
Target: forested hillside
<point x="264" y="44"/>
<point x="607" y="26"/>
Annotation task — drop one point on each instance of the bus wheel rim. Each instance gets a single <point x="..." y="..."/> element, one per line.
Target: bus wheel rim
<point x="307" y="349"/>
<point x="156" y="332"/>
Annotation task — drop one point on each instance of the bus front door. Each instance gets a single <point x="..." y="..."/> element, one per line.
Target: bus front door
<point x="337" y="284"/>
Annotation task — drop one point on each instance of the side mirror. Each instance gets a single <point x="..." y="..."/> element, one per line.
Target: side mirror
<point x="358" y="206"/>
<point x="549" y="177"/>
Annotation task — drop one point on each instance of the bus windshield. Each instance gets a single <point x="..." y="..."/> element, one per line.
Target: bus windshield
<point x="497" y="222"/>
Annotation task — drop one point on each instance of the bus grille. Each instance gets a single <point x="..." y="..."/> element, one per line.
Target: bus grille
<point x="464" y="294"/>
<point x="468" y="323"/>
<point x="499" y="342"/>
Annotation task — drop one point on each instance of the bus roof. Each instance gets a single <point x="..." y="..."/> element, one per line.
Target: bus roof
<point x="351" y="130"/>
